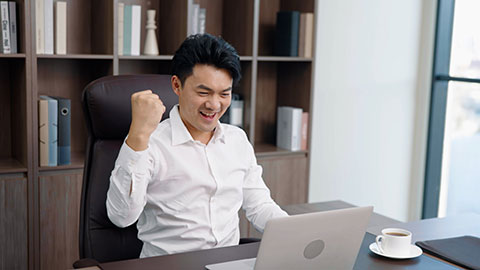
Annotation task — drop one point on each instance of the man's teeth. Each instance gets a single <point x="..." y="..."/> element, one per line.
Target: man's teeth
<point x="208" y="114"/>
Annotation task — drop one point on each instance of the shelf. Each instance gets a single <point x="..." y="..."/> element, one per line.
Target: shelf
<point x="145" y="57"/>
<point x="15" y="55"/>
<point x="77" y="162"/>
<point x="269" y="150"/>
<point x="11" y="165"/>
<point x="283" y="59"/>
<point x="246" y="58"/>
<point x="75" y="56"/>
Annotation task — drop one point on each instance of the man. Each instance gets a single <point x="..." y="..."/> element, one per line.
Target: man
<point x="186" y="178"/>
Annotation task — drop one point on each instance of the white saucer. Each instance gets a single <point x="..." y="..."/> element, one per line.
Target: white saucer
<point x="414" y="252"/>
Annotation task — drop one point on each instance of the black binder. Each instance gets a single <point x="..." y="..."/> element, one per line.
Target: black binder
<point x="463" y="251"/>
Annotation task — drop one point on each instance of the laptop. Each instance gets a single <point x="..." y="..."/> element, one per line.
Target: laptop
<point x="321" y="240"/>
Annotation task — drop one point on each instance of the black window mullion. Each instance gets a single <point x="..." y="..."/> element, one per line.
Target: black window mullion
<point x="438" y="102"/>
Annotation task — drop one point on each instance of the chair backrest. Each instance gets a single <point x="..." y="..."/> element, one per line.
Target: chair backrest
<point x="107" y="107"/>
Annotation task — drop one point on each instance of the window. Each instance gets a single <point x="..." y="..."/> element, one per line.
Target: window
<point x="452" y="178"/>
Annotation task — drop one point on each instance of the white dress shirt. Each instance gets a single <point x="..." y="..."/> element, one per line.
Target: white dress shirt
<point x="186" y="195"/>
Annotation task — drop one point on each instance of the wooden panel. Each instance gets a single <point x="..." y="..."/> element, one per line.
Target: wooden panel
<point x="244" y="90"/>
<point x="144" y="67"/>
<point x="67" y="78"/>
<point x="294" y="85"/>
<point x="238" y="25"/>
<point x="13" y="110"/>
<point x="213" y="22"/>
<point x="266" y="104"/>
<point x="102" y="27"/>
<point x="172" y="27"/>
<point x="13" y="222"/>
<point x="19" y="111"/>
<point x="5" y="109"/>
<point x="79" y="27"/>
<point x="302" y="6"/>
<point x="268" y="18"/>
<point x="59" y="219"/>
<point x="287" y="178"/>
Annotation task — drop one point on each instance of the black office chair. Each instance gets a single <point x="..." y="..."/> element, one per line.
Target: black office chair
<point x="107" y="108"/>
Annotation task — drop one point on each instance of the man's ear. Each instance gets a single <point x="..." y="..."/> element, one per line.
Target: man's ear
<point x="176" y="84"/>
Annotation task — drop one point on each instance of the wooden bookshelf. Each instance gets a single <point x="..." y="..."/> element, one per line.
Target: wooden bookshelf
<point x="44" y="219"/>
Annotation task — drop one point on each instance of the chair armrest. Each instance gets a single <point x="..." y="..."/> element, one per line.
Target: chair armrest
<point x="86" y="262"/>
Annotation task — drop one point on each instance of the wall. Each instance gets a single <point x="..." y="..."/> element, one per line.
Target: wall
<point x="372" y="83"/>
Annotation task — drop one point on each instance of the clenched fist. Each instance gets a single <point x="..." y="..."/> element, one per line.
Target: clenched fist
<point x="147" y="111"/>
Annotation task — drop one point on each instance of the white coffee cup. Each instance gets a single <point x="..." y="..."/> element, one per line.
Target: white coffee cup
<point x="394" y="242"/>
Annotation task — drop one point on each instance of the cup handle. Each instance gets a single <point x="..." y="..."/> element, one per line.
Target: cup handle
<point x="378" y="240"/>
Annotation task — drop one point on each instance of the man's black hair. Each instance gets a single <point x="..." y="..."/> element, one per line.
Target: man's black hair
<point x="209" y="50"/>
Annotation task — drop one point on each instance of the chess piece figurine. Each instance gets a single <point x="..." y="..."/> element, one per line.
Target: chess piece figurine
<point x="151" y="46"/>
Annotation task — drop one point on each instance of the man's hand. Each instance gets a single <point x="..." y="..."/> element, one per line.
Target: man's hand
<point x="147" y="111"/>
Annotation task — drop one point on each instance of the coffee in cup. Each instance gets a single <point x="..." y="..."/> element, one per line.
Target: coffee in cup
<point x="394" y="242"/>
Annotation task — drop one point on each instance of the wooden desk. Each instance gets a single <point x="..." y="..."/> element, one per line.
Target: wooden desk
<point x="422" y="230"/>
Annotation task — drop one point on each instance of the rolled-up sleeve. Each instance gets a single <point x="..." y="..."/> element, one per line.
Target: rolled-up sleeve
<point x="257" y="202"/>
<point x="129" y="180"/>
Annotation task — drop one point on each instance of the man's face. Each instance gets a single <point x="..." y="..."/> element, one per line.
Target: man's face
<point x="203" y="99"/>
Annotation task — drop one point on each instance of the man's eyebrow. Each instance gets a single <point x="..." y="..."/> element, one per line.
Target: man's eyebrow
<point x="201" y="86"/>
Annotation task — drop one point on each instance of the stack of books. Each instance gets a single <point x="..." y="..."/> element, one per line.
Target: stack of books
<point x="46" y="24"/>
<point x="197" y="20"/>
<point x="129" y="29"/>
<point x="54" y="130"/>
<point x="8" y="37"/>
<point x="292" y="128"/>
<point x="294" y="34"/>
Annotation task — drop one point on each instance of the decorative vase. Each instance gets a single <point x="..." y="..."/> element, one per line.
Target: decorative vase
<point x="151" y="46"/>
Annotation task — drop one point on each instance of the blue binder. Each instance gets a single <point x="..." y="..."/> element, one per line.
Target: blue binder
<point x="64" y="117"/>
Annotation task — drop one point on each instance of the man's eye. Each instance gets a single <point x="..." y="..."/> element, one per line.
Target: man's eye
<point x="226" y="94"/>
<point x="202" y="93"/>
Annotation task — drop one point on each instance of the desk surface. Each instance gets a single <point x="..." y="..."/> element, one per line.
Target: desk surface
<point x="422" y="230"/>
<point x="196" y="260"/>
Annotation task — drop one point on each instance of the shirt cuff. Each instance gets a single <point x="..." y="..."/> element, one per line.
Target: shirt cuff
<point x="133" y="161"/>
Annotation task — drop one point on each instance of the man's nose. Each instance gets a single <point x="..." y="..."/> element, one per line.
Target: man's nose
<point x="213" y="103"/>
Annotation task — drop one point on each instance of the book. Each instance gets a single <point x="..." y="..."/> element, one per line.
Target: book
<point x="202" y="18"/>
<point x="121" y="8"/>
<point x="48" y="18"/>
<point x="309" y="35"/>
<point x="43" y="131"/>
<point x="5" y="27"/>
<point x="289" y="125"/>
<point x="39" y="26"/>
<point x="64" y="117"/>
<point x="127" y="30"/>
<point x="286" y="33"/>
<point x="12" y="14"/>
<point x="301" y="34"/>
<point x="52" y="130"/>
<point x="304" y="132"/>
<point x="136" y="29"/>
<point x="61" y="27"/>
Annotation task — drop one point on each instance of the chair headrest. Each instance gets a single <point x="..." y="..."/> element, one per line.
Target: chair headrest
<point x="107" y="102"/>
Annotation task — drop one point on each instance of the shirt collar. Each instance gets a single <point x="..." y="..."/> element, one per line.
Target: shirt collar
<point x="180" y="133"/>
